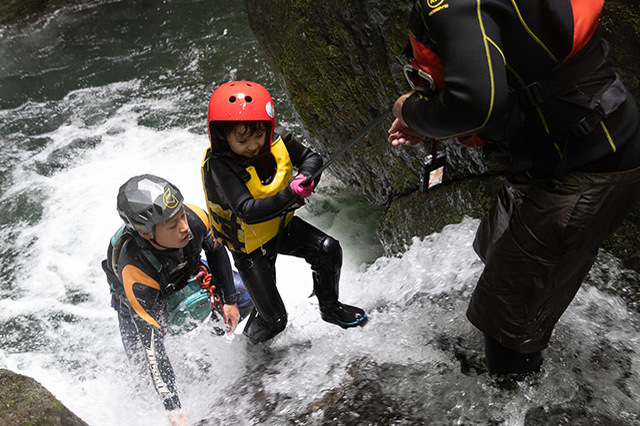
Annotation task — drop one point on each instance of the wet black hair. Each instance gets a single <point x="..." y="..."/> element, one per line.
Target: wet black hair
<point x="222" y="129"/>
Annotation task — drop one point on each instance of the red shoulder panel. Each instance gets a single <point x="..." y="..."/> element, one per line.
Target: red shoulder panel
<point x="585" y="22"/>
<point x="427" y="60"/>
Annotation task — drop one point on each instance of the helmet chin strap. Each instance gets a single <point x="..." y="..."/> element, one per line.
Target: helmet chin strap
<point x="154" y="241"/>
<point x="158" y="244"/>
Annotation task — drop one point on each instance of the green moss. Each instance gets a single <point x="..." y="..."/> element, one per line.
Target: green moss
<point x="420" y="214"/>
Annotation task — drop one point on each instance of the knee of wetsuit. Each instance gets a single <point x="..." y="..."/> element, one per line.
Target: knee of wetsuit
<point x="504" y="361"/>
<point x="332" y="250"/>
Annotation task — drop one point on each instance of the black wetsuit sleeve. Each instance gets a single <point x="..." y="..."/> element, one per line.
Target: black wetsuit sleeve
<point x="219" y="265"/>
<point x="304" y="159"/>
<point x="242" y="203"/>
<point x="216" y="254"/>
<point x="475" y="92"/>
<point x="147" y="308"/>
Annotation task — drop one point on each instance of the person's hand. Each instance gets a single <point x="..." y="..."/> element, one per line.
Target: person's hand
<point x="178" y="418"/>
<point x="397" y="106"/>
<point x="302" y="191"/>
<point x="232" y="315"/>
<point x="400" y="134"/>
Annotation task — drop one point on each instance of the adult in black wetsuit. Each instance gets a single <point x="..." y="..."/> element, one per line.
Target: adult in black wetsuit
<point x="533" y="78"/>
<point x="252" y="194"/>
<point x="152" y="257"/>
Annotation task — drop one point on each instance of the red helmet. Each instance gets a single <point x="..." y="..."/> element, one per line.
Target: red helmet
<point x="241" y="101"/>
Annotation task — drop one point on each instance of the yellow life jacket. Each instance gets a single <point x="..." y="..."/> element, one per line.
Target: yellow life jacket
<point x="238" y="235"/>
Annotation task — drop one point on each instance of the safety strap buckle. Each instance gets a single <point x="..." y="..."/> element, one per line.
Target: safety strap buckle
<point x="534" y="94"/>
<point x="582" y="128"/>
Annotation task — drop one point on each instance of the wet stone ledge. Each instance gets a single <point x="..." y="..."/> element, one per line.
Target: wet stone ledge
<point x="23" y="401"/>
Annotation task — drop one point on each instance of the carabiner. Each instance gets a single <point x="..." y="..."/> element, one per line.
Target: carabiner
<point x="425" y="83"/>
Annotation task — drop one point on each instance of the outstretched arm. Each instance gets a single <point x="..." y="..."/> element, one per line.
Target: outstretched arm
<point x="220" y="268"/>
<point x="474" y="91"/>
<point x="143" y="295"/>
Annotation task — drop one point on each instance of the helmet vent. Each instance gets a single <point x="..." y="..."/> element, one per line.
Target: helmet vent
<point x="146" y="214"/>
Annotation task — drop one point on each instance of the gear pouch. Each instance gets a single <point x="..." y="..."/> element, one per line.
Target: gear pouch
<point x="188" y="307"/>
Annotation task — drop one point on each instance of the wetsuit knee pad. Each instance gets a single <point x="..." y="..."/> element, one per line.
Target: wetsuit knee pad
<point x="331" y="251"/>
<point x="502" y="360"/>
<point x="331" y="246"/>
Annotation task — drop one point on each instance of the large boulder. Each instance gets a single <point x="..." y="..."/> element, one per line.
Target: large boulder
<point x="23" y="401"/>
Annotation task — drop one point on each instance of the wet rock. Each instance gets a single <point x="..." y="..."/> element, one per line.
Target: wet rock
<point x="23" y="401"/>
<point x="562" y="415"/>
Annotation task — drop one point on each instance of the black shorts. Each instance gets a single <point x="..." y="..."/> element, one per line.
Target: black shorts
<point x="538" y="244"/>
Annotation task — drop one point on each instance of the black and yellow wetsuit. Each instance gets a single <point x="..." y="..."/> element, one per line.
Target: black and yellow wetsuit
<point x="535" y="78"/>
<point x="544" y="57"/>
<point x="145" y="278"/>
<point x="251" y="209"/>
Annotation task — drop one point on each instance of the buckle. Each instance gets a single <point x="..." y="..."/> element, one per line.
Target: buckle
<point x="533" y="94"/>
<point x="582" y="128"/>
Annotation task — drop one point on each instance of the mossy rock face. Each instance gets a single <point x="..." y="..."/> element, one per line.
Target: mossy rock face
<point x="23" y="401"/>
<point x="620" y="23"/>
<point x="423" y="213"/>
<point x="339" y="63"/>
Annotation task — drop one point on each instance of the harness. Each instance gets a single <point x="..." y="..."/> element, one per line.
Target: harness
<point x="188" y="302"/>
<point x="592" y="64"/>
<point x="562" y="84"/>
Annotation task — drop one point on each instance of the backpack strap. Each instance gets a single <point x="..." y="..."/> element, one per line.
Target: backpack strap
<point x="120" y="239"/>
<point x="148" y="254"/>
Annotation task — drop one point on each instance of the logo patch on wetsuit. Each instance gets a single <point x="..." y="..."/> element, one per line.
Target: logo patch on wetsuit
<point x="436" y="6"/>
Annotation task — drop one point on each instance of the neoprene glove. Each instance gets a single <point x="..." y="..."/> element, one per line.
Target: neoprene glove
<point x="302" y="191"/>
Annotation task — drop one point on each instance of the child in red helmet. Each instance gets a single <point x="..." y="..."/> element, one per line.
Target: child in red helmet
<point x="251" y="191"/>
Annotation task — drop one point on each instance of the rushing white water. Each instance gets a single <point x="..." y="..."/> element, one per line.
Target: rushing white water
<point x="64" y="159"/>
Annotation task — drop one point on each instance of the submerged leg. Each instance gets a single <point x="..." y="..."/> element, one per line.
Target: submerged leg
<point x="258" y="275"/>
<point x="504" y="361"/>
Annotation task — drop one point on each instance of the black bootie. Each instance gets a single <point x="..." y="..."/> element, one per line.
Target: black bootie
<point x="345" y="316"/>
<point x="258" y="331"/>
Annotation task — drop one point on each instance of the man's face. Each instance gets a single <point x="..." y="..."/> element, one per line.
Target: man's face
<point x="245" y="144"/>
<point x="172" y="233"/>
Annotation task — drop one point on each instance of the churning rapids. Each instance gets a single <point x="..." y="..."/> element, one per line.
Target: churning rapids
<point x="95" y="94"/>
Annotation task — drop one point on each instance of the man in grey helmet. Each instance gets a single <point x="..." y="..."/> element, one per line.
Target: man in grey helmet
<point x="153" y="266"/>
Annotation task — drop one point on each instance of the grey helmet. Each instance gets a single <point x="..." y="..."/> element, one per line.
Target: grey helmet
<point x="146" y="200"/>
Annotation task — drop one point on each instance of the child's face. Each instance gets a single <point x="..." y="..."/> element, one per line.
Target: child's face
<point x="244" y="144"/>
